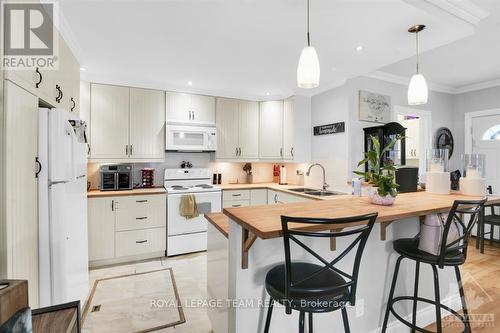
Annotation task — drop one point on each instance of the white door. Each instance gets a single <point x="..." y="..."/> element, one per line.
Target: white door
<point x="20" y="257"/>
<point x="248" y="129"/>
<point x="271" y="130"/>
<point x="486" y="140"/>
<point x="178" y="107"/>
<point x="227" y="128"/>
<point x="203" y="109"/>
<point x="109" y="118"/>
<point x="147" y="123"/>
<point x="288" y="129"/>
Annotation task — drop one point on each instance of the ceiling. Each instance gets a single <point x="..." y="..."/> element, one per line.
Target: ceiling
<point x="464" y="63"/>
<point x="246" y="48"/>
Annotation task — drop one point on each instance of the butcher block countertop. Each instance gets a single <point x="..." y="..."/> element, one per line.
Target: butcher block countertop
<point x="135" y="191"/>
<point x="265" y="221"/>
<point x="219" y="221"/>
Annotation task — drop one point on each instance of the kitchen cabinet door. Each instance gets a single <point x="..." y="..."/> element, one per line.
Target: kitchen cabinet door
<point x="147" y="123"/>
<point x="20" y="222"/>
<point x="178" y="107"/>
<point x="227" y="128"/>
<point x="202" y="110"/>
<point x="101" y="228"/>
<point x="109" y="118"/>
<point x="271" y="130"/>
<point x="288" y="129"/>
<point x="248" y="129"/>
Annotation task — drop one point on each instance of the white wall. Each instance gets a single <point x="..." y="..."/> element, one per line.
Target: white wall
<point x="341" y="152"/>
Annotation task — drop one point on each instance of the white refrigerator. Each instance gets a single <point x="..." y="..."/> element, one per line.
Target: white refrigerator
<point x="62" y="221"/>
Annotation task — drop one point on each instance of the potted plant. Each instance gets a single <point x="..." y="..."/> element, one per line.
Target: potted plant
<point x="248" y="170"/>
<point x="381" y="178"/>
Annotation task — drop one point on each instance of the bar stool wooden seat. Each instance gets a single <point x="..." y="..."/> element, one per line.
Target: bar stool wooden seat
<point x="453" y="254"/>
<point x="314" y="288"/>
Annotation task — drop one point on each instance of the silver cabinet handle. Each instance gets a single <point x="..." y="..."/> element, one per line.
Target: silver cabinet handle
<point x="112" y="205"/>
<point x="126" y="150"/>
<point x="190" y="115"/>
<point x="291" y="151"/>
<point x="236" y="151"/>
<point x="193" y="115"/>
<point x="145" y="200"/>
<point x="276" y="198"/>
<point x="131" y="150"/>
<point x="235" y="205"/>
<point x="281" y="152"/>
<point x="142" y="241"/>
<point x="236" y="195"/>
<point x="142" y="218"/>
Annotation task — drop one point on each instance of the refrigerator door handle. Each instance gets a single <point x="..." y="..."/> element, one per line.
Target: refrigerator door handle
<point x="80" y="177"/>
<point x="58" y="182"/>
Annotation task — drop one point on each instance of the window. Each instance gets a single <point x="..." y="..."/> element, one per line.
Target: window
<point x="492" y="133"/>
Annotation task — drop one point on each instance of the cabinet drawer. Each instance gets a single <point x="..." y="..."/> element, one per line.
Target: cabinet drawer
<point x="236" y="195"/>
<point x="135" y="242"/>
<point x="235" y="203"/>
<point x="140" y="212"/>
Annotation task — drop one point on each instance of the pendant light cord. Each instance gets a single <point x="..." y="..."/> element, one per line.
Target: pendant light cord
<point x="308" y="38"/>
<point x="416" y="46"/>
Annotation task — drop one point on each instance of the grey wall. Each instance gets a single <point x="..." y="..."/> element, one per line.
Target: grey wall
<point x="468" y="102"/>
<point x="341" y="152"/>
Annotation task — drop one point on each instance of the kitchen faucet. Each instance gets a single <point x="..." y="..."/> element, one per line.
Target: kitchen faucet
<point x="325" y="185"/>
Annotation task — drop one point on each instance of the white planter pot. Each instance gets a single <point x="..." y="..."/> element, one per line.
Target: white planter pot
<point x="375" y="198"/>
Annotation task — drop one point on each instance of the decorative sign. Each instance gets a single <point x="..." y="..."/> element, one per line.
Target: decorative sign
<point x="374" y="107"/>
<point x="329" y="129"/>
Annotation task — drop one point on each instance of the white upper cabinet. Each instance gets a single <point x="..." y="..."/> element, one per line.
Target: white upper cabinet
<point x="109" y="107"/>
<point x="271" y="130"/>
<point x="126" y="123"/>
<point x="288" y="129"/>
<point x="147" y="123"/>
<point x="42" y="82"/>
<point x="248" y="140"/>
<point x="227" y="128"/>
<point x="237" y="129"/>
<point x="191" y="109"/>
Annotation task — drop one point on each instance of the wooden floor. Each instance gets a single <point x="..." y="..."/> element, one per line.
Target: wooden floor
<point x="481" y="276"/>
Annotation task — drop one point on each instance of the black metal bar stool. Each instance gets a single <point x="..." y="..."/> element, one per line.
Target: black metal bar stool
<point x="312" y="288"/>
<point x="453" y="254"/>
<point x="492" y="219"/>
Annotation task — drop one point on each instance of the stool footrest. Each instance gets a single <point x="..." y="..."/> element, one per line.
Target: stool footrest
<point x="424" y="300"/>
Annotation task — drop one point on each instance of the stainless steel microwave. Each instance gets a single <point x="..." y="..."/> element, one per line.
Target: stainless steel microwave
<point x="191" y="138"/>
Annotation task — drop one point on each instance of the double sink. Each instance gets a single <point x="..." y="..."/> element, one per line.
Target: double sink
<point x="315" y="192"/>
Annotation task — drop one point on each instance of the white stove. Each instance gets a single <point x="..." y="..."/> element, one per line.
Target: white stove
<point x="189" y="235"/>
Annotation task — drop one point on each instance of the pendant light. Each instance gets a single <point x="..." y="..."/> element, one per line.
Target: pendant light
<point x="417" y="89"/>
<point x="308" y="67"/>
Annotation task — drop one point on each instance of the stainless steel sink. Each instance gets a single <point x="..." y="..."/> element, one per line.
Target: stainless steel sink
<point x="324" y="193"/>
<point x="315" y="192"/>
<point x="303" y="189"/>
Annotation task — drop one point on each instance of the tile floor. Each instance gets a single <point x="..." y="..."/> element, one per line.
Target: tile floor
<point x="190" y="277"/>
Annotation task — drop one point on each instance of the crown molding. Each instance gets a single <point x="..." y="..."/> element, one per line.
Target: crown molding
<point x="478" y="86"/>
<point x="464" y="10"/>
<point x="402" y="80"/>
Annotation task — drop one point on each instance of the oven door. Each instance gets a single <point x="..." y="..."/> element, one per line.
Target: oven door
<point x="187" y="138"/>
<point x="207" y="202"/>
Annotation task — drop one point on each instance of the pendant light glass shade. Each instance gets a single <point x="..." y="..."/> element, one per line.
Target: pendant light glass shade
<point x="308" y="68"/>
<point x="417" y="90"/>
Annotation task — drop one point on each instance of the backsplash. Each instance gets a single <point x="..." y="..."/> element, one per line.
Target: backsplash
<point x="232" y="172"/>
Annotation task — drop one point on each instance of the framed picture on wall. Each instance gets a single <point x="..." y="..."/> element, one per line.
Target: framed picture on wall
<point x="374" y="107"/>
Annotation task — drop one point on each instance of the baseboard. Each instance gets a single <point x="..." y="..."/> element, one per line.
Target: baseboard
<point x="121" y="260"/>
<point x="426" y="316"/>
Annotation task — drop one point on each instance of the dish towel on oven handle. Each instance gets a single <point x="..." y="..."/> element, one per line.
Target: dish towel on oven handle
<point x="188" y="207"/>
<point x="431" y="233"/>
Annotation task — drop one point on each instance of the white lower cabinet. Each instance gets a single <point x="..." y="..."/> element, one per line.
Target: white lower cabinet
<point x="136" y="242"/>
<point x="278" y="197"/>
<point x="124" y="228"/>
<point x="256" y="197"/>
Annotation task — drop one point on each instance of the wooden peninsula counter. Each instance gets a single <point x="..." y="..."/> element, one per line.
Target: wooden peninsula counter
<point x="254" y="246"/>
